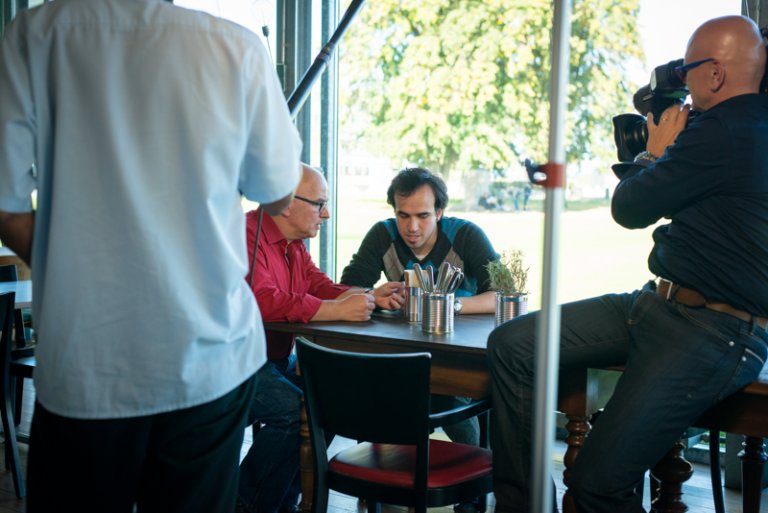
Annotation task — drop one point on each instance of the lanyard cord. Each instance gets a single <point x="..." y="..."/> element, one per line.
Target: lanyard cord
<point x="255" y="249"/>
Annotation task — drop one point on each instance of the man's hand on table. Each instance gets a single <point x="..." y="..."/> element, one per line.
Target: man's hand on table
<point x="357" y="307"/>
<point x="390" y="295"/>
<point x="349" y="307"/>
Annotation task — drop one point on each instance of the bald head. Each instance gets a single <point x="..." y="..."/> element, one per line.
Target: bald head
<point x="311" y="179"/>
<point x="735" y="44"/>
<point x="302" y="219"/>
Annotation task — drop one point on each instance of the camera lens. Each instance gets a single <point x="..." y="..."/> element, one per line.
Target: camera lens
<point x="630" y="133"/>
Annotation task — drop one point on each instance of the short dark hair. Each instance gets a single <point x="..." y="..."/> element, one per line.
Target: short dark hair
<point x="410" y="179"/>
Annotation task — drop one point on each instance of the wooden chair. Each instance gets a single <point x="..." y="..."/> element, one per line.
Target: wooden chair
<point x="12" y="460"/>
<point x="22" y="354"/>
<point x="382" y="400"/>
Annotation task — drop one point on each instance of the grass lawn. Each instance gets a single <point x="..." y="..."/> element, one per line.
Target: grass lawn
<point x="596" y="255"/>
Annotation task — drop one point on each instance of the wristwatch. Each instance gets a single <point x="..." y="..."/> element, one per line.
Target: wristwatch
<point x="457" y="306"/>
<point x="646" y="156"/>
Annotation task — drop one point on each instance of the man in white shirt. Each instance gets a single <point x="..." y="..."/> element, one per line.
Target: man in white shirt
<point x="139" y="124"/>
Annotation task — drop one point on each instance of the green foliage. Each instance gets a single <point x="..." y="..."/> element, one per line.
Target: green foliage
<point x="463" y="84"/>
<point x="509" y="274"/>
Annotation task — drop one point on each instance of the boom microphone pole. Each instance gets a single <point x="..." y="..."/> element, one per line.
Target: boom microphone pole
<point x="299" y="95"/>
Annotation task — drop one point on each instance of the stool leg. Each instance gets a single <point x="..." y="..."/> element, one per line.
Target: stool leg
<point x="753" y="460"/>
<point x="714" y="470"/>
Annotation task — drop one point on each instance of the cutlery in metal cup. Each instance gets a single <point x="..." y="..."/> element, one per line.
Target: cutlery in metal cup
<point x="420" y="277"/>
<point x="455" y="281"/>
<point x="441" y="274"/>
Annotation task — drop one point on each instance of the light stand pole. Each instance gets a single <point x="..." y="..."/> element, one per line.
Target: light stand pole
<point x="548" y="326"/>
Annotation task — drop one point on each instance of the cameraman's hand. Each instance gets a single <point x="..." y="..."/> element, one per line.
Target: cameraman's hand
<point x="664" y="132"/>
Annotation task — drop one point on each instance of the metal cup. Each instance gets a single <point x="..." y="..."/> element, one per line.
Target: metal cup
<point x="509" y="306"/>
<point x="437" y="315"/>
<point x="413" y="304"/>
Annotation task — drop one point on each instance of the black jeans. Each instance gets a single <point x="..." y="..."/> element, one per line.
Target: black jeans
<point x="180" y="461"/>
<point x="679" y="362"/>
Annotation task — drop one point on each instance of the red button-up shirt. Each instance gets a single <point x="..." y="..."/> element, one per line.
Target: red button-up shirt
<point x="287" y="284"/>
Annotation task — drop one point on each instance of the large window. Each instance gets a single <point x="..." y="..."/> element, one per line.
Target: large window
<point x="461" y="88"/>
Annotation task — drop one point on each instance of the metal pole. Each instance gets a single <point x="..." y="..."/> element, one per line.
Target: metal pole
<point x="329" y="144"/>
<point x="302" y="39"/>
<point x="548" y="326"/>
<point x="299" y="95"/>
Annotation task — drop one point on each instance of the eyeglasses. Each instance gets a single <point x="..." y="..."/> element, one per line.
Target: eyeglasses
<point x="682" y="71"/>
<point x="319" y="204"/>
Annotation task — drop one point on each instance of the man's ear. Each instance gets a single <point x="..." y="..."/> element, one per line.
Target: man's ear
<point x="439" y="213"/>
<point x="716" y="76"/>
<point x="287" y="211"/>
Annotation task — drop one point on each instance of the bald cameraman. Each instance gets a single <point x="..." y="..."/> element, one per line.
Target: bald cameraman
<point x="697" y="333"/>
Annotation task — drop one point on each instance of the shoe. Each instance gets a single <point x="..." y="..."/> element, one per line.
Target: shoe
<point x="465" y="507"/>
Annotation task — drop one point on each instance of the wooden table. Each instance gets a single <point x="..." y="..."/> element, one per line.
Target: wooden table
<point x="459" y="367"/>
<point x="23" y="290"/>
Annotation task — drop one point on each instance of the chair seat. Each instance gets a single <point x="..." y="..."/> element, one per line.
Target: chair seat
<point x="449" y="463"/>
<point x="24" y="366"/>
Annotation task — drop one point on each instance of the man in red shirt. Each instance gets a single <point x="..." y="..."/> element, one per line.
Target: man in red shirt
<point x="290" y="288"/>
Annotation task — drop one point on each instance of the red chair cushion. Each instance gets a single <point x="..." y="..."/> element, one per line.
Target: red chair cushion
<point x="449" y="463"/>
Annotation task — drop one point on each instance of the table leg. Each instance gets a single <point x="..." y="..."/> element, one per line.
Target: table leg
<point x="306" y="458"/>
<point x="306" y="465"/>
<point x="578" y="427"/>
<point x="753" y="460"/>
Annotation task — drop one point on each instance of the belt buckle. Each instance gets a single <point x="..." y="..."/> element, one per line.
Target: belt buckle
<point x="668" y="295"/>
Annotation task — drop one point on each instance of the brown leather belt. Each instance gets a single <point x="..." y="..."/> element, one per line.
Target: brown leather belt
<point x="689" y="297"/>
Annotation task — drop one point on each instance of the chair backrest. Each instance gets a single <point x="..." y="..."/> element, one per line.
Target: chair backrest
<point x="381" y="398"/>
<point x="7" y="302"/>
<point x="8" y="272"/>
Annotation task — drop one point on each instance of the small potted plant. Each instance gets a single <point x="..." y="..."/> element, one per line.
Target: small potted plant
<point x="508" y="276"/>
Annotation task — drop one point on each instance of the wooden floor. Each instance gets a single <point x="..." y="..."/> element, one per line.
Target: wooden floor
<point x="697" y="491"/>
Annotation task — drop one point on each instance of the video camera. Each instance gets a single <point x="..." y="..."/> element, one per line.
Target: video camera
<point x="666" y="87"/>
<point x="630" y="131"/>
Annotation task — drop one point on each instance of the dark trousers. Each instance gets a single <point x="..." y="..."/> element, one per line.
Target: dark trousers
<point x="180" y="461"/>
<point x="270" y="471"/>
<point x="679" y="362"/>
